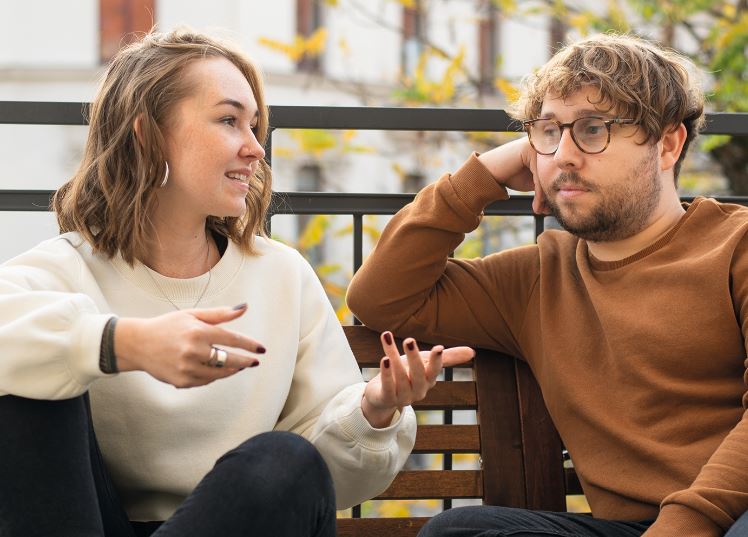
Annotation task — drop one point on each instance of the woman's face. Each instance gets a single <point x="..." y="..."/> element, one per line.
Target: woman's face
<point x="211" y="146"/>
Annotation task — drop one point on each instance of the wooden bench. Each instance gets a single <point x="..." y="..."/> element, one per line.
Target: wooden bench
<point x="520" y="451"/>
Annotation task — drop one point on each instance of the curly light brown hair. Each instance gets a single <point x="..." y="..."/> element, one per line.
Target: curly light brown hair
<point x="111" y="197"/>
<point x="637" y="79"/>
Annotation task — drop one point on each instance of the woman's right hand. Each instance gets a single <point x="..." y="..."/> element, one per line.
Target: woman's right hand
<point x="176" y="347"/>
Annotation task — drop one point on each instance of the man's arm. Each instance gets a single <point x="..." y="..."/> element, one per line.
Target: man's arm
<point x="409" y="284"/>
<point x="719" y="494"/>
<point x="716" y="498"/>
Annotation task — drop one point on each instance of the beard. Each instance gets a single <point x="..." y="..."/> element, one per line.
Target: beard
<point x="625" y="208"/>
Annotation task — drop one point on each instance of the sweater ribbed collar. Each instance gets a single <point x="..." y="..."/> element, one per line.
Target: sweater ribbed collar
<point x="597" y="264"/>
<point x="183" y="291"/>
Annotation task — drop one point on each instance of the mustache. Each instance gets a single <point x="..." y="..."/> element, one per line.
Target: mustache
<point x="571" y="179"/>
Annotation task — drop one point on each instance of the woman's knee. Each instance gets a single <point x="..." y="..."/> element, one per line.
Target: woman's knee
<point x="279" y="464"/>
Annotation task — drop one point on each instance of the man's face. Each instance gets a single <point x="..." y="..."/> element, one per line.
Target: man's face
<point x="607" y="196"/>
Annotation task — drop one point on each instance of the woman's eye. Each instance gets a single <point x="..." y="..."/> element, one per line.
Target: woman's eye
<point x="229" y="120"/>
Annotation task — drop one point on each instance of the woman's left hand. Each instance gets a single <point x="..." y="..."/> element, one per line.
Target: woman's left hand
<point x="403" y="380"/>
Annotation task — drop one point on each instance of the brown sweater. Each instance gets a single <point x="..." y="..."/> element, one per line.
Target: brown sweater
<point x="642" y="362"/>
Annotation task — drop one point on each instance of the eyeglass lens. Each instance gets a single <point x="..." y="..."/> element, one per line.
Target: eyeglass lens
<point x="590" y="134"/>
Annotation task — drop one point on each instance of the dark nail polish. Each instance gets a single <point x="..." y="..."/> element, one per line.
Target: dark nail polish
<point x="386" y="363"/>
<point x="241" y="306"/>
<point x="260" y="349"/>
<point x="388" y="338"/>
<point x="254" y="364"/>
<point x="410" y="345"/>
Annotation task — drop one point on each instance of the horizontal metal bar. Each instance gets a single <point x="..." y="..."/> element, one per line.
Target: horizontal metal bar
<point x="319" y="203"/>
<point x="344" y="117"/>
<point x="352" y="203"/>
<point x="43" y="113"/>
<point x="25" y="200"/>
<point x="734" y="123"/>
<point x="375" y="118"/>
<point x="292" y="203"/>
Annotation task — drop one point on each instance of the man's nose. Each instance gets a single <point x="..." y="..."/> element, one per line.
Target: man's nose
<point x="568" y="154"/>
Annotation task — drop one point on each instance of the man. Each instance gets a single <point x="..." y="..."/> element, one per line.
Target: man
<point x="633" y="320"/>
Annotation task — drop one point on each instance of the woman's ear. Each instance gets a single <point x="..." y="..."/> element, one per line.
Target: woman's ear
<point x="671" y="146"/>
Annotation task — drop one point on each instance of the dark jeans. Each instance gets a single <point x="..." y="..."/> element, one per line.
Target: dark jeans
<point x="490" y="521"/>
<point x="53" y="483"/>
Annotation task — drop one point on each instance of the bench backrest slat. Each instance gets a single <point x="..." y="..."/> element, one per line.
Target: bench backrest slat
<point x="437" y="484"/>
<point x="380" y="527"/>
<point x="519" y="448"/>
<point x="447" y="439"/>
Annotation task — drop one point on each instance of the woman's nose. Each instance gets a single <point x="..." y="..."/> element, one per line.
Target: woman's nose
<point x="252" y="147"/>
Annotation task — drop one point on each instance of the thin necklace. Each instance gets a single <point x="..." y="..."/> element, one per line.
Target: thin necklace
<point x="202" y="294"/>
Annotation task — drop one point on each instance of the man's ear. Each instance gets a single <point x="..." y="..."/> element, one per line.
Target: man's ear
<point x="671" y="146"/>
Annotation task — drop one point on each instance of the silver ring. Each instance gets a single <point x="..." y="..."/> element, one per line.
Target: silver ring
<point x="221" y="356"/>
<point x="212" y="357"/>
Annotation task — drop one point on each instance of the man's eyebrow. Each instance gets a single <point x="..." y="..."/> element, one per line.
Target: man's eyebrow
<point x="584" y="112"/>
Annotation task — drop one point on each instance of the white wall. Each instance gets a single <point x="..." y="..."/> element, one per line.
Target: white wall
<point x="49" y="52"/>
<point x="49" y="33"/>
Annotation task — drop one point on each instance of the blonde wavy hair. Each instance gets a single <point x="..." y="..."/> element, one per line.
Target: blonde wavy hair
<point x="636" y="79"/>
<point x="110" y="198"/>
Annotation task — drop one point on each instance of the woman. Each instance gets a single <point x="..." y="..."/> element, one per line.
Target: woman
<point x="162" y="234"/>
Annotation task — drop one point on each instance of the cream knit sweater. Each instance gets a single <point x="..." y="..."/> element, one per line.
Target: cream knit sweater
<point x="159" y="441"/>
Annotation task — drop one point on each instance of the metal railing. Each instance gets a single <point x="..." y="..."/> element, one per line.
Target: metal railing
<point x="325" y="117"/>
<point x="356" y="118"/>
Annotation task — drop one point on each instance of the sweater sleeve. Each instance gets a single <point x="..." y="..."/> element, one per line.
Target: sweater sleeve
<point x="324" y="405"/>
<point x="409" y="285"/>
<point x="50" y="330"/>
<point x="717" y="497"/>
<point x="719" y="494"/>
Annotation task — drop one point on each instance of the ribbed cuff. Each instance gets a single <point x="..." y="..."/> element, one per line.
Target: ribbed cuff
<point x="355" y="424"/>
<point x="476" y="186"/>
<point x="107" y="358"/>
<point x="676" y="520"/>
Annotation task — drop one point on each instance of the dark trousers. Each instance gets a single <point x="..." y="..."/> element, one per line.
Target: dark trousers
<point x="53" y="483"/>
<point x="490" y="521"/>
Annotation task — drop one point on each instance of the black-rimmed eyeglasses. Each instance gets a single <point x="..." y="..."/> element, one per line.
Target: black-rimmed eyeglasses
<point x="590" y="134"/>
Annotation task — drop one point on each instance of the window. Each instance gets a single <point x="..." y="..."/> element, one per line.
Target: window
<point x="488" y="47"/>
<point x="413" y="181"/>
<point x="120" y="23"/>
<point x="413" y="34"/>
<point x="309" y="179"/>
<point x="308" y="21"/>
<point x="557" y="35"/>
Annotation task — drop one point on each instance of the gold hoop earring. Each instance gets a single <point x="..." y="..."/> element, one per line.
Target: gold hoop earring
<point x="166" y="176"/>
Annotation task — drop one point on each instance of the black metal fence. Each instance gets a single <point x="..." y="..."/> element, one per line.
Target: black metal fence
<point x="324" y="117"/>
<point x="356" y="118"/>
